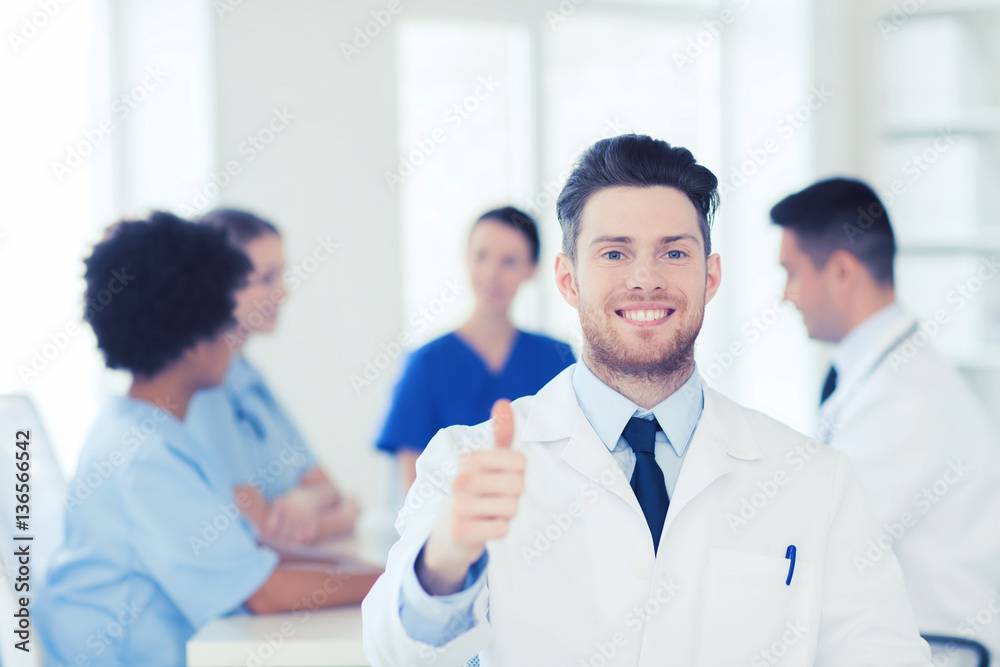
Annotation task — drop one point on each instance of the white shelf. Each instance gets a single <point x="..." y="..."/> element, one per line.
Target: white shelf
<point x="988" y="358"/>
<point x="938" y="7"/>
<point x="971" y="121"/>
<point x="983" y="244"/>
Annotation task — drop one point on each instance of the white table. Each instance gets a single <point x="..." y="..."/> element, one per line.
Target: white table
<point x="328" y="637"/>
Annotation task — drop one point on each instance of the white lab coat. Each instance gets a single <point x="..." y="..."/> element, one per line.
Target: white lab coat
<point x="575" y="581"/>
<point x="928" y="459"/>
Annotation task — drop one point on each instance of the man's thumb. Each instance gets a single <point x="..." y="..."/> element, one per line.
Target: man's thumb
<point x="503" y="424"/>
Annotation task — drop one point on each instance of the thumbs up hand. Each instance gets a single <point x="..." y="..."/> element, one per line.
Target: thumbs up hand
<point x="484" y="499"/>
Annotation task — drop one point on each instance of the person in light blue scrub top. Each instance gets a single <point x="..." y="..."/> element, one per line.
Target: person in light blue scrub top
<point x="262" y="452"/>
<point x="155" y="545"/>
<point x="456" y="378"/>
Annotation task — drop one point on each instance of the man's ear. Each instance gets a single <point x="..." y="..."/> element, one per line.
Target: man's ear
<point x="713" y="275"/>
<point x="565" y="279"/>
<point x="843" y="268"/>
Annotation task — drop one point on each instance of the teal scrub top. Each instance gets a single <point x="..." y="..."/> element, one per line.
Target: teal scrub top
<point x="155" y="545"/>
<point x="249" y="432"/>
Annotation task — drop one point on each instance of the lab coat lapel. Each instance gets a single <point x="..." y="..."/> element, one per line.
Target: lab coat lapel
<point x="848" y="387"/>
<point x="720" y="437"/>
<point x="555" y="415"/>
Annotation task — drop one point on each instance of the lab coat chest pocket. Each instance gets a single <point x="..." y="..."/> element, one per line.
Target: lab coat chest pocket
<point x="752" y="618"/>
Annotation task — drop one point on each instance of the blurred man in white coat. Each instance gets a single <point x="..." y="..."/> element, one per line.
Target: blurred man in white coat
<point x="922" y="443"/>
<point x="626" y="515"/>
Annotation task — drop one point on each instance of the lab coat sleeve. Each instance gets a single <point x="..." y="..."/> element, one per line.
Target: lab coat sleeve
<point x="386" y="641"/>
<point x="866" y="617"/>
<point x="437" y="619"/>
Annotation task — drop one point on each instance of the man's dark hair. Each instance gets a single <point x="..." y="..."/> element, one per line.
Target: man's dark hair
<point x="840" y="214"/>
<point x="635" y="160"/>
<point x="157" y="287"/>
<point x="240" y="226"/>
<point x="519" y="220"/>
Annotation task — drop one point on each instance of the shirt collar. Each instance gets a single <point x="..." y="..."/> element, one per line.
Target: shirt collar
<point x="241" y="376"/>
<point x="608" y="411"/>
<point x="864" y="340"/>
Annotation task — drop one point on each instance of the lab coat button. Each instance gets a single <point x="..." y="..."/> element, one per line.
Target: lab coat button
<point x="641" y="570"/>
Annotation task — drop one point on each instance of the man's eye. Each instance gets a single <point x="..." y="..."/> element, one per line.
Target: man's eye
<point x="675" y="254"/>
<point x="614" y="254"/>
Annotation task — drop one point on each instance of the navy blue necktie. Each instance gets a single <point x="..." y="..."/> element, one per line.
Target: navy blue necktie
<point x="647" y="478"/>
<point x="829" y="386"/>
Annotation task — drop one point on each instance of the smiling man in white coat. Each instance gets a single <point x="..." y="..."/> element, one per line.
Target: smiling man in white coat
<point x="626" y="514"/>
<point x="923" y="445"/>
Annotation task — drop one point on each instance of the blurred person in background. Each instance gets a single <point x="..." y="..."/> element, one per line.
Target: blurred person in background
<point x="455" y="379"/>
<point x="252" y="435"/>
<point x="923" y="444"/>
<point x="157" y="548"/>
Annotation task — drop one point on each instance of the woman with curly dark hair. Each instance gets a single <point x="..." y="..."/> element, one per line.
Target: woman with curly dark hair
<point x="155" y="546"/>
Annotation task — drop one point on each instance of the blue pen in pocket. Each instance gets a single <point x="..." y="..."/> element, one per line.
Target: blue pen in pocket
<point x="790" y="555"/>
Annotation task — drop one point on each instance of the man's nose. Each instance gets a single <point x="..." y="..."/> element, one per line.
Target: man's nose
<point x="645" y="275"/>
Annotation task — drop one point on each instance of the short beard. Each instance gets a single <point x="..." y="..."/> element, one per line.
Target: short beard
<point x="613" y="358"/>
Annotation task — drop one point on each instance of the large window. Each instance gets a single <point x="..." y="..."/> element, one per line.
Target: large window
<point x="718" y="78"/>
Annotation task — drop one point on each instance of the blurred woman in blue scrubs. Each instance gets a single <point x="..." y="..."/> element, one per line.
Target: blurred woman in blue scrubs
<point x="456" y="378"/>
<point x="251" y="434"/>
<point x="155" y="546"/>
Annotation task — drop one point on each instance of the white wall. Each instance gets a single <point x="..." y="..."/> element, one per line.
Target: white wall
<point x="320" y="178"/>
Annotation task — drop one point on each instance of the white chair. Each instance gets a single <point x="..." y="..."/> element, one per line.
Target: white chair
<point x="957" y="652"/>
<point x="47" y="486"/>
<point x="46" y="516"/>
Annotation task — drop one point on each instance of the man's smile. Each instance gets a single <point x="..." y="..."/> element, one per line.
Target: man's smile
<point x="645" y="315"/>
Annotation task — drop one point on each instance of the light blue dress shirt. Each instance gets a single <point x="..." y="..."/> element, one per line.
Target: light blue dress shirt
<point x="437" y="619"/>
<point x="249" y="432"/>
<point x="155" y="546"/>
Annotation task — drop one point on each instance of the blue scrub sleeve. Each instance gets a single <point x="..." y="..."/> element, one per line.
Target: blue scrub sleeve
<point x="437" y="619"/>
<point x="191" y="538"/>
<point x="412" y="422"/>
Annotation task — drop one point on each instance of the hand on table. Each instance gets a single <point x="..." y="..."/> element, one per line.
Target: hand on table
<point x="292" y="518"/>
